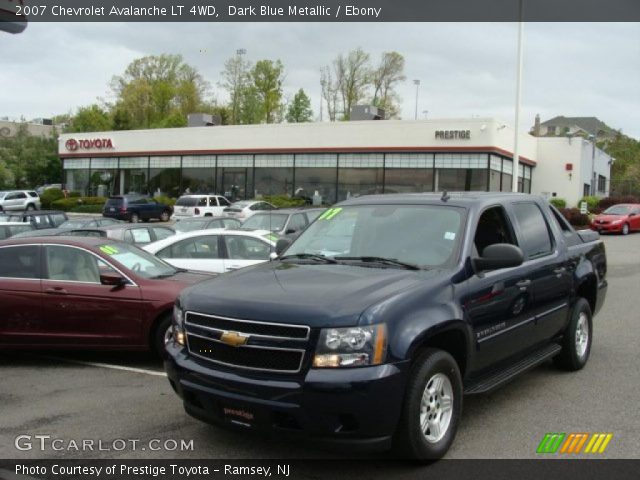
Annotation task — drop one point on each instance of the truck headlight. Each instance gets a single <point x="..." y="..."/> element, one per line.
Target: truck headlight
<point x="177" y="324"/>
<point x="351" y="346"/>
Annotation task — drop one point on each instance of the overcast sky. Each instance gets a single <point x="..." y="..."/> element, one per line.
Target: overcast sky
<point x="465" y="69"/>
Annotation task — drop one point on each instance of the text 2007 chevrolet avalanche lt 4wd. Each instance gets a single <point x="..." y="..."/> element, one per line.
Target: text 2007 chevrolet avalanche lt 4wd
<point x="372" y="325"/>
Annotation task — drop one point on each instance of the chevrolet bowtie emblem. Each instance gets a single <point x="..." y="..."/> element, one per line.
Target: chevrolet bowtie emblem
<point x="234" y="339"/>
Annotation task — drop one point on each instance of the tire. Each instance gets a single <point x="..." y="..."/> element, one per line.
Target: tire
<point x="30" y="207"/>
<point x="576" y="344"/>
<point x="416" y="437"/>
<point x="625" y="229"/>
<point x="161" y="335"/>
<point x="165" y="216"/>
<point x="134" y="218"/>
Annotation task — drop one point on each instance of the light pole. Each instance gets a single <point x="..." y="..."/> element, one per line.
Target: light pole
<point x="417" y="84"/>
<point x="592" y="189"/>
<point x="516" y="146"/>
<point x="425" y="113"/>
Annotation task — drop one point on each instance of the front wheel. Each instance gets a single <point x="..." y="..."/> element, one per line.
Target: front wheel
<point x="164" y="216"/>
<point x="31" y="206"/>
<point x="134" y="218"/>
<point x="432" y="407"/>
<point x="161" y="336"/>
<point x="576" y="344"/>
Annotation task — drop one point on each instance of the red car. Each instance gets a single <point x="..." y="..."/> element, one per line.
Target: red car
<point x="84" y="292"/>
<point x="622" y="218"/>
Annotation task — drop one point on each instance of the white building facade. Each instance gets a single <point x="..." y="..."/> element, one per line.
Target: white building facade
<point x="338" y="160"/>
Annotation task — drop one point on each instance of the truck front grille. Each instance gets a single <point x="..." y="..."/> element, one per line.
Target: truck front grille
<point x="267" y="346"/>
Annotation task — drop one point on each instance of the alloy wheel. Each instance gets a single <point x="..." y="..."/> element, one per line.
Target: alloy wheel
<point x="436" y="408"/>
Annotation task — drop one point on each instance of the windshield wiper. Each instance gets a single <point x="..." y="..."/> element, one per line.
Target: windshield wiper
<point x="310" y="256"/>
<point x="170" y="274"/>
<point x="382" y="260"/>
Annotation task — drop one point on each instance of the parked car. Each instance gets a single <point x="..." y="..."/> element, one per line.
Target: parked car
<point x="215" y="250"/>
<point x="200" y="206"/>
<point x="85" y="222"/>
<point x="138" y="234"/>
<point x="245" y="208"/>
<point x="19" y="200"/>
<point x="200" y="223"/>
<point x="436" y="296"/>
<point x="622" y="218"/>
<point x="93" y="293"/>
<point x="134" y="208"/>
<point x="9" y="229"/>
<point x="289" y="222"/>
<point x="40" y="219"/>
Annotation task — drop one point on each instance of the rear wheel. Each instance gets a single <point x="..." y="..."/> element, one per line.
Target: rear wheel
<point x="625" y="229"/>
<point x="432" y="407"/>
<point x="134" y="218"/>
<point x="31" y="206"/>
<point x="165" y="216"/>
<point x="576" y="344"/>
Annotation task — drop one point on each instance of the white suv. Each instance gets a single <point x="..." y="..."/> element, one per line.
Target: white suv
<point x="200" y="206"/>
<point x="19" y="200"/>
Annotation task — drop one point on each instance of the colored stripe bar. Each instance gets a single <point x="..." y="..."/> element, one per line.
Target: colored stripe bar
<point x="550" y="443"/>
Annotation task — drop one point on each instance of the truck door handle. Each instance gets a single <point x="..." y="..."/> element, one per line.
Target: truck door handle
<point x="523" y="284"/>
<point x="559" y="271"/>
<point x="233" y="267"/>
<point x="56" y="291"/>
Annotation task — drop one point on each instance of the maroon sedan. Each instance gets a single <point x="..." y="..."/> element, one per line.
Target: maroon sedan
<point x="83" y="292"/>
<point x="622" y="218"/>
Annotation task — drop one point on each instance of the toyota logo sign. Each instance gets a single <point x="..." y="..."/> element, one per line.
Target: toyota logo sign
<point x="71" y="144"/>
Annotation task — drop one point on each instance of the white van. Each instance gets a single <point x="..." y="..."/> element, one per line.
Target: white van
<point x="200" y="206"/>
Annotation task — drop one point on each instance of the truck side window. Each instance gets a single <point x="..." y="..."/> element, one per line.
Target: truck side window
<point x="493" y="227"/>
<point x="536" y="237"/>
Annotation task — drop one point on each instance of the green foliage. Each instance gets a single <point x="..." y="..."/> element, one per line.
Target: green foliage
<point x="90" y="119"/>
<point x="75" y="194"/>
<point x="87" y="209"/>
<point x="607" y="202"/>
<point x="625" y="171"/>
<point x="49" y="196"/>
<point x="69" y="204"/>
<point x="558" y="202"/>
<point x="166" y="200"/>
<point x="283" y="201"/>
<point x="575" y="218"/>
<point x="300" y="108"/>
<point x="267" y="77"/>
<point x="28" y="160"/>
<point x="384" y="79"/>
<point x="592" y="202"/>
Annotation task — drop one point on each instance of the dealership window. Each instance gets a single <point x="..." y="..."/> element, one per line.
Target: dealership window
<point x="495" y="173"/>
<point x="76" y="175"/>
<point x="235" y="176"/>
<point x="602" y="184"/>
<point x="199" y="174"/>
<point x="105" y="179"/>
<point x="134" y="174"/>
<point x="408" y="172"/>
<point x="586" y="190"/>
<point x="359" y="174"/>
<point x="164" y="176"/>
<point x="316" y="173"/>
<point x="273" y="175"/>
<point x="507" y="175"/>
<point x="462" y="179"/>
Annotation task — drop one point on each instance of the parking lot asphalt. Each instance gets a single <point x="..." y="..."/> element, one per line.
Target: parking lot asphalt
<point x="110" y="396"/>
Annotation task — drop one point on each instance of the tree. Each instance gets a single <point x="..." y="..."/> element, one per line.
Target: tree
<point x="300" y="109"/>
<point x="625" y="171"/>
<point x="329" y="92"/>
<point x="89" y="119"/>
<point x="235" y="78"/>
<point x="352" y="78"/>
<point x="384" y="78"/>
<point x="250" y="109"/>
<point x="157" y="91"/>
<point x="267" y="78"/>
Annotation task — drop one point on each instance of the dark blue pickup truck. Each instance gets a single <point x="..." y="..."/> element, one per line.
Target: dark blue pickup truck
<point x="375" y="322"/>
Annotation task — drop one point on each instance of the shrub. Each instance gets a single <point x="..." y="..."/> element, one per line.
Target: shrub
<point x="87" y="209"/>
<point x="558" y="202"/>
<point x="74" y="194"/>
<point x="592" y="202"/>
<point x="49" y="196"/>
<point x="283" y="201"/>
<point x="607" y="202"/>
<point x="166" y="200"/>
<point x="575" y="218"/>
<point x="68" y="204"/>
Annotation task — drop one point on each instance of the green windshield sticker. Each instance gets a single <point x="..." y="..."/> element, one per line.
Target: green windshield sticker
<point x="108" y="249"/>
<point x="334" y="212"/>
<point x="271" y="236"/>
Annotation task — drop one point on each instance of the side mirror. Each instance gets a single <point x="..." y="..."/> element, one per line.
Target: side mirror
<point x="632" y="214"/>
<point x="112" y="279"/>
<point x="281" y="245"/>
<point x="497" y="256"/>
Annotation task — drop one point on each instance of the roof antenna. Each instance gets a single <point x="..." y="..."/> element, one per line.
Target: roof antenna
<point x="445" y="196"/>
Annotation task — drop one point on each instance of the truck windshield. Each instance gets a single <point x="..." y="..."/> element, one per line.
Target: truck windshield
<point x="422" y="235"/>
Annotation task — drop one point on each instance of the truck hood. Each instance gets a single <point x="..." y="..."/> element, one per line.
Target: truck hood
<point x="315" y="295"/>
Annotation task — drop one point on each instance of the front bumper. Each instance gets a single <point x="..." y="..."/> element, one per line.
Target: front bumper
<point x="358" y="406"/>
<point x="608" y="227"/>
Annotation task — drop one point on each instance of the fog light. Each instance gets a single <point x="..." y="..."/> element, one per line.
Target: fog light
<point x="179" y="337"/>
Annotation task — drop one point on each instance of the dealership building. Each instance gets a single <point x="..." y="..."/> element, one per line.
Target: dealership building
<point x="336" y="160"/>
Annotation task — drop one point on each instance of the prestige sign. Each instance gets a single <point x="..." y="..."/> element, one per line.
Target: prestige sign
<point x="88" y="144"/>
<point x="453" y="134"/>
